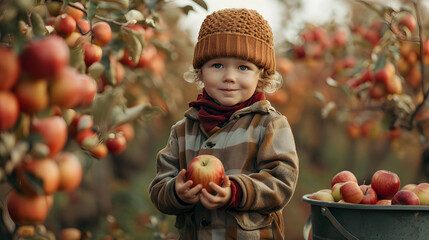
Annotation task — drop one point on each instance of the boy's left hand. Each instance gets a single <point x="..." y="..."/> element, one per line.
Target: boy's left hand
<point x="220" y="198"/>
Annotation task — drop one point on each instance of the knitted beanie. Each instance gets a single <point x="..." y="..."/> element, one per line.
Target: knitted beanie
<point x="241" y="33"/>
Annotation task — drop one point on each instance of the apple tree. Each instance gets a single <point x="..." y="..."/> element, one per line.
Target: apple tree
<point x="77" y="81"/>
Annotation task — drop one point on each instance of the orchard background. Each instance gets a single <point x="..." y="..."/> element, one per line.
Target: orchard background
<point x="89" y="90"/>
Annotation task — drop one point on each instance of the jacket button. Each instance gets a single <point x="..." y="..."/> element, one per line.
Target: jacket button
<point x="205" y="223"/>
<point x="210" y="144"/>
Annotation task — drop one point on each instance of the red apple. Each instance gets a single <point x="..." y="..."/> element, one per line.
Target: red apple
<point x="369" y="194"/>
<point x="385" y="183"/>
<point x="99" y="151"/>
<point x="410" y="187"/>
<point x="70" y="171"/>
<point x="72" y="38"/>
<point x="70" y="234"/>
<point x="322" y="196"/>
<point x="9" y="110"/>
<point x="32" y="95"/>
<point x="46" y="170"/>
<point x="45" y="58"/>
<point x="54" y="132"/>
<point x="335" y="191"/>
<point x="204" y="169"/>
<point x="385" y="74"/>
<point x="84" y="25"/>
<point x="127" y="130"/>
<point x="351" y="192"/>
<point x="405" y="197"/>
<point x="377" y="90"/>
<point x="343" y="176"/>
<point x="64" y="25"/>
<point x="92" y="53"/>
<point x="65" y="90"/>
<point x="117" y="144"/>
<point x="28" y="209"/>
<point x="88" y="91"/>
<point x="9" y="68"/>
<point x="87" y="138"/>
<point x="394" y="86"/>
<point x="74" y="12"/>
<point x="422" y="192"/>
<point x="384" y="202"/>
<point x="102" y="33"/>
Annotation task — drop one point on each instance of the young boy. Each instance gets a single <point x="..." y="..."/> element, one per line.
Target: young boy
<point x="234" y="61"/>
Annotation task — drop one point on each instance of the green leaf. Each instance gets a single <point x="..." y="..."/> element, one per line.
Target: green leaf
<point x="129" y="114"/>
<point x="202" y="4"/>
<point x="38" y="25"/>
<point x="103" y="106"/>
<point x="319" y="96"/>
<point x="134" y="16"/>
<point x="77" y="58"/>
<point x="96" y="70"/>
<point x="92" y="10"/>
<point x="135" y="43"/>
<point x="122" y="3"/>
<point x="380" y="63"/>
<point x="65" y="3"/>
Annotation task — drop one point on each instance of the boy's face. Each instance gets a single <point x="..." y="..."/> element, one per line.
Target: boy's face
<point x="229" y="80"/>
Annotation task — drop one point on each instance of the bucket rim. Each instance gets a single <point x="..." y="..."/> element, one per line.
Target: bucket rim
<point x="306" y="199"/>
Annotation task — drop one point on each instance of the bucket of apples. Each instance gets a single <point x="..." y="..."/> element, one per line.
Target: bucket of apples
<point x="382" y="209"/>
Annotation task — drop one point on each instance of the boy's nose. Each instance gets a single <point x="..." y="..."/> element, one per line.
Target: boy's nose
<point x="229" y="76"/>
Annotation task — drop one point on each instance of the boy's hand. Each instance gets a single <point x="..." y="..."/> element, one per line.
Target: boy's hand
<point x="184" y="190"/>
<point x="221" y="197"/>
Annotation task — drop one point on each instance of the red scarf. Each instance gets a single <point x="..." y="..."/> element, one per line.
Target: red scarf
<point x="212" y="114"/>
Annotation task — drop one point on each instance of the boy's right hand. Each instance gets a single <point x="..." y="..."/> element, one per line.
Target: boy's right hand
<point x="185" y="191"/>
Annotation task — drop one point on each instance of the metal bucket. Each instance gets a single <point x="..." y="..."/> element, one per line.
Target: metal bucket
<point x="331" y="220"/>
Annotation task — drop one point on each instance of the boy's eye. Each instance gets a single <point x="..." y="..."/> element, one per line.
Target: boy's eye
<point x="243" y="68"/>
<point x="217" y="65"/>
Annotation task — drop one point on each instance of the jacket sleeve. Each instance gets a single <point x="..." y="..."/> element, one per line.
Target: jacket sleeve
<point x="272" y="185"/>
<point x="162" y="187"/>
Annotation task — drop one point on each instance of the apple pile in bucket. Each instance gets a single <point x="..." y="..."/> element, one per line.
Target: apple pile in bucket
<point x="385" y="189"/>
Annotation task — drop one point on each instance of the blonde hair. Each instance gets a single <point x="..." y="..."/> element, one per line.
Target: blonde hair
<point x="268" y="83"/>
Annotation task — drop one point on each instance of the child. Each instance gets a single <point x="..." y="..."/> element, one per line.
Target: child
<point x="234" y="61"/>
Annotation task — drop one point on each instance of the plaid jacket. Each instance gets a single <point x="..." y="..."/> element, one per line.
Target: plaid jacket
<point x="258" y="151"/>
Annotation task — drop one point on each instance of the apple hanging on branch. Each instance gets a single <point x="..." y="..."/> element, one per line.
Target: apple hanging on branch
<point x="204" y="169"/>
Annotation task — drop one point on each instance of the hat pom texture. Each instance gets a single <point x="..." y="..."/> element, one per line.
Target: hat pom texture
<point x="241" y="33"/>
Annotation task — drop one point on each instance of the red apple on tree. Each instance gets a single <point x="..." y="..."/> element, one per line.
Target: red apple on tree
<point x="46" y="57"/>
<point x="385" y="183"/>
<point x="70" y="171"/>
<point x="45" y="170"/>
<point x="9" y="68"/>
<point x="369" y="194"/>
<point x="422" y="191"/>
<point x="92" y="53"/>
<point x="32" y="95"/>
<point x="28" y="209"/>
<point x="351" y="192"/>
<point x="117" y="144"/>
<point x="204" y="169"/>
<point x="9" y="110"/>
<point x="102" y="33"/>
<point x="65" y="24"/>
<point x="54" y="132"/>
<point x="343" y="176"/>
<point x="405" y="197"/>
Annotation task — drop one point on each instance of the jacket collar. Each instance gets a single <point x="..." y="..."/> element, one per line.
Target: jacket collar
<point x="262" y="107"/>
